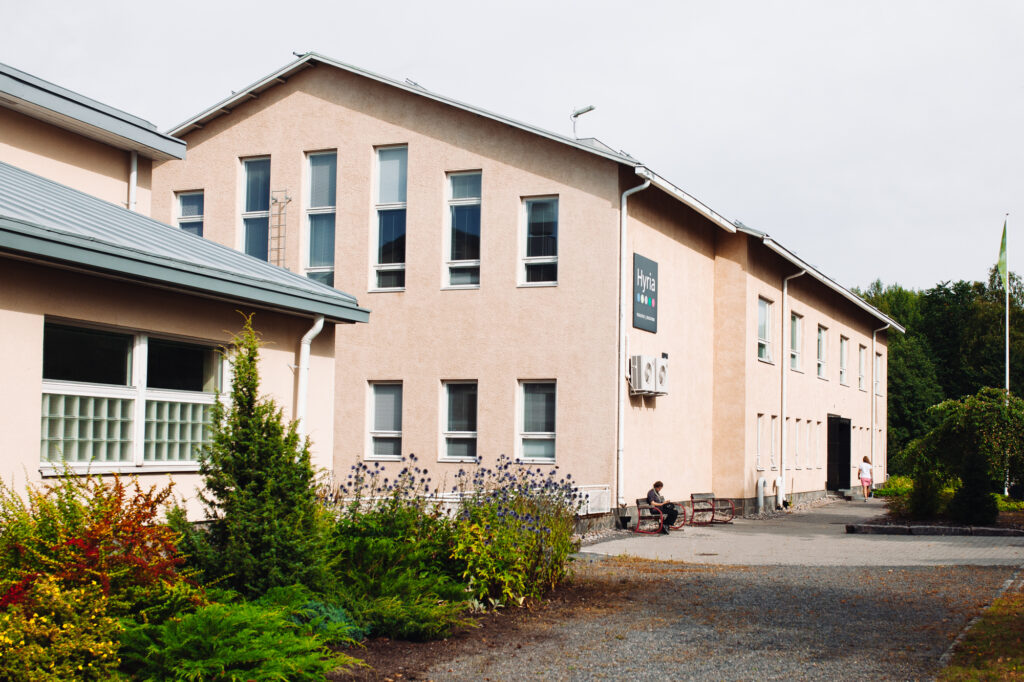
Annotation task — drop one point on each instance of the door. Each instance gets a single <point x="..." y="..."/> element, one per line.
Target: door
<point x="838" y="453"/>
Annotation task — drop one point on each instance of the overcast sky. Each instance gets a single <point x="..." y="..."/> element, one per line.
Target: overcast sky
<point x="876" y="139"/>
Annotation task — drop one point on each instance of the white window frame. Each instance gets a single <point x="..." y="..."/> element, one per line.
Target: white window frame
<point x="372" y="420"/>
<point x="250" y="215"/>
<point x="764" y="310"/>
<point x="877" y="374"/>
<point x="844" y="351"/>
<point x="524" y="260"/>
<point x="817" y="445"/>
<point x="773" y="440"/>
<point x="443" y="455"/>
<point x="319" y="210"/>
<point x="796" y="445"/>
<point x="376" y="267"/>
<point x="862" y="361"/>
<point x="185" y="221"/>
<point x="796" y="325"/>
<point x="523" y="435"/>
<point x="136" y="391"/>
<point x="451" y="264"/>
<point x="823" y="352"/>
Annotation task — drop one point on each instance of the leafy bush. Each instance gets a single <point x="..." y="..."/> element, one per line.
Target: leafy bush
<point x="265" y="525"/>
<point x="1009" y="504"/>
<point x="895" y="486"/>
<point x="242" y="641"/>
<point x="83" y="530"/>
<point x="51" y="632"/>
<point x="329" y="621"/>
<point x="516" y="531"/>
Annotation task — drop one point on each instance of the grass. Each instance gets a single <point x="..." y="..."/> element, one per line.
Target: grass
<point x="994" y="647"/>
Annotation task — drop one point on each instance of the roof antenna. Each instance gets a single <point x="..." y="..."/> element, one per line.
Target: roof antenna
<point x="576" y="114"/>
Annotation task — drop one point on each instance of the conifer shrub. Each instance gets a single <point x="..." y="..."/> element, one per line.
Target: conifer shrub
<point x="264" y="525"/>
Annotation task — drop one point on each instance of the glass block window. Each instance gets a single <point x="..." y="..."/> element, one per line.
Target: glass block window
<point x="113" y="399"/>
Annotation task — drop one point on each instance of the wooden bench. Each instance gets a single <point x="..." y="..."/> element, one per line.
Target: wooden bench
<point x="650" y="516"/>
<point x="705" y="509"/>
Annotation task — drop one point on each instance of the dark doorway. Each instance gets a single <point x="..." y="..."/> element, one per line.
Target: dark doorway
<point x="838" y="453"/>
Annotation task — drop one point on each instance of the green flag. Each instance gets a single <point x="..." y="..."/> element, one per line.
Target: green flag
<point x="1002" y="261"/>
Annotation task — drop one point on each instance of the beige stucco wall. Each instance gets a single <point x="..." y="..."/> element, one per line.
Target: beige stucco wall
<point x="73" y="160"/>
<point x="32" y="293"/>
<point x="810" y="399"/>
<point x="496" y="335"/>
<point x="670" y="437"/>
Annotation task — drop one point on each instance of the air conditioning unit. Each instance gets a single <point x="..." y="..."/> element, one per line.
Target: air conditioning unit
<point x="660" y="376"/>
<point x="641" y="374"/>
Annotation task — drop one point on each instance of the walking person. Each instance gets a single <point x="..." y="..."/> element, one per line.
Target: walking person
<point x="865" y="477"/>
<point x="668" y="509"/>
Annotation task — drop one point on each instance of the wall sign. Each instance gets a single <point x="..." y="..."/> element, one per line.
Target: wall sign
<point x="645" y="294"/>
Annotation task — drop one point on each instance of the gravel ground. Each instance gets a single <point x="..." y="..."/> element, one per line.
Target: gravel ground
<point x="664" y="620"/>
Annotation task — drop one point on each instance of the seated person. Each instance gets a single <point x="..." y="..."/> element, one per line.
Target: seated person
<point x="655" y="499"/>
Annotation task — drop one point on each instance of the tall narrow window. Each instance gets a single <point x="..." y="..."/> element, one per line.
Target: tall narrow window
<point x="386" y="420"/>
<point x="787" y="425"/>
<point x="796" y="445"/>
<point x="323" y="178"/>
<point x="774" y="439"/>
<point x="256" y="211"/>
<point x="190" y="212"/>
<point x="392" y="168"/>
<point x="464" y="230"/>
<point x="758" y="444"/>
<point x="540" y="255"/>
<point x="877" y="378"/>
<point x="796" y="325"/>
<point x="537" y="434"/>
<point x="862" y="354"/>
<point x="764" y="329"/>
<point x="844" y="350"/>
<point x="460" y="420"/>
<point x="817" y="445"/>
<point x="822" y="352"/>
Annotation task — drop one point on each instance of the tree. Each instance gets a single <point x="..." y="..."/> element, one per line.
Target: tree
<point x="259" y="492"/>
<point x="980" y="440"/>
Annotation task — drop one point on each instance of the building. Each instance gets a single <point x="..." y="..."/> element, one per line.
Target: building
<point x="112" y="322"/>
<point x="534" y="295"/>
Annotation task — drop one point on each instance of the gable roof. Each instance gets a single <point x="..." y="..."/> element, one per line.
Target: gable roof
<point x="23" y="92"/>
<point x="45" y="221"/>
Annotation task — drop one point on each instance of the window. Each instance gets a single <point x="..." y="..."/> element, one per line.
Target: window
<point x="862" y="354"/>
<point x="775" y="431"/>
<point x="323" y="180"/>
<point x="789" y="432"/>
<point x="464" y="230"/>
<point x="460" y="421"/>
<point x="822" y="352"/>
<point x="392" y="168"/>
<point x="764" y="329"/>
<point x="796" y="325"/>
<point x="190" y="212"/>
<point x="844" y="350"/>
<point x="796" y="445"/>
<point x="878" y="374"/>
<point x="759" y="436"/>
<point x="256" y="211"/>
<point x="537" y="432"/>
<point x="115" y="399"/>
<point x="817" y="445"/>
<point x="540" y="253"/>
<point x="386" y="421"/>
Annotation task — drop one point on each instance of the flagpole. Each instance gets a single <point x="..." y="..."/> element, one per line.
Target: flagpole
<point x="1004" y="266"/>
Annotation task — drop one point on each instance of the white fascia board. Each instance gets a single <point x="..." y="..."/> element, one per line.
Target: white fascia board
<point x="831" y="284"/>
<point x="666" y="186"/>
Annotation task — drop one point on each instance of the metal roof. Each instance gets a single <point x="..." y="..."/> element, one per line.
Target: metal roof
<point x="44" y="220"/>
<point x="820" y="276"/>
<point x="23" y="92"/>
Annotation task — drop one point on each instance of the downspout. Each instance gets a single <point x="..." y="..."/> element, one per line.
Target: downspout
<point x="303" y="389"/>
<point x="874" y="393"/>
<point x="133" y="179"/>
<point x="784" y="362"/>
<point x="624" y="279"/>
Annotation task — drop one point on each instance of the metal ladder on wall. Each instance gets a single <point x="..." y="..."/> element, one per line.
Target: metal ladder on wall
<point x="279" y="201"/>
